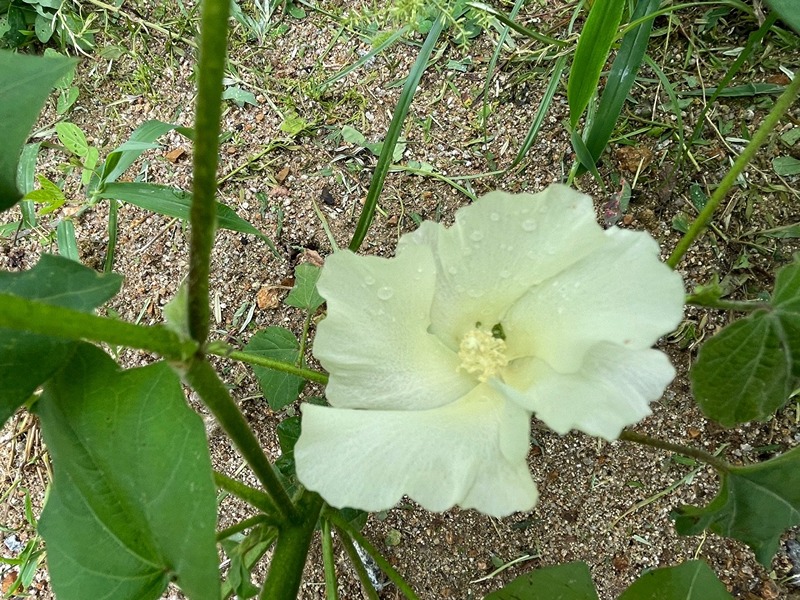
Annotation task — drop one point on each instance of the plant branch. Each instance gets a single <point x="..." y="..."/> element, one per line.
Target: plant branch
<point x="745" y="306"/>
<point x="204" y="380"/>
<point x="252" y="496"/>
<point x="30" y="316"/>
<point x="701" y="455"/>
<point x="759" y="138"/>
<point x="224" y="534"/>
<point x="225" y="351"/>
<point x="211" y="67"/>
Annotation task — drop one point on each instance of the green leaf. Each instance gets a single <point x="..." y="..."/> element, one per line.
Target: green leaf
<point x="49" y="195"/>
<point x="239" y="96"/>
<point x="738" y="91"/>
<point x="755" y="505"/>
<point x="570" y="581"/>
<point x="236" y="548"/>
<point x="28" y="360"/>
<point x="304" y="293"/>
<point x="692" y="580"/>
<point x="786" y="165"/>
<point x="748" y="370"/>
<point x="72" y="138"/>
<point x="788" y="10"/>
<point x="132" y="505"/>
<point x="277" y="343"/>
<point x="173" y="202"/>
<point x="25" y="82"/>
<point x="594" y="44"/>
<point x="65" y="239"/>
<point x="620" y="79"/>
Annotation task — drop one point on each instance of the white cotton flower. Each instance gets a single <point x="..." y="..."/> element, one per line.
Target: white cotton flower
<point x="439" y="356"/>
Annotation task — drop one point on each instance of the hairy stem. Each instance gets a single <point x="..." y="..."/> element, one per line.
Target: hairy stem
<point x="759" y="138"/>
<point x="210" y="69"/>
<point x="701" y="455"/>
<point x="221" y="349"/>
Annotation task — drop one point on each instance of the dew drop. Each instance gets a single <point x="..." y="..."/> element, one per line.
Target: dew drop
<point x="385" y="293"/>
<point x="494" y="217"/>
<point x="529" y="225"/>
<point x="504" y="274"/>
<point x="452" y="270"/>
<point x="476" y="236"/>
<point x="369" y="280"/>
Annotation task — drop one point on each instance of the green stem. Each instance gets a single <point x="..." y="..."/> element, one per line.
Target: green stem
<point x="30" y="316"/>
<point x="701" y="455"/>
<point x="759" y="138"/>
<point x="224" y="534"/>
<point x="331" y="593"/>
<point x="355" y="560"/>
<point x="222" y="349"/>
<point x="746" y="306"/>
<point x="384" y="564"/>
<point x="113" y="209"/>
<point x="210" y="69"/>
<point x="252" y="496"/>
<point x="204" y="380"/>
<point x="291" y="550"/>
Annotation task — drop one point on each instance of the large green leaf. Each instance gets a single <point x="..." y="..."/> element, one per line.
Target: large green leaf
<point x="28" y="360"/>
<point x="599" y="32"/>
<point x="749" y="369"/>
<point x="276" y="343"/>
<point x="570" y="581"/>
<point x="692" y="580"/>
<point x="132" y="505"/>
<point x="620" y="80"/>
<point x="173" y="202"/>
<point x="788" y="10"/>
<point x="25" y="82"/>
<point x="304" y="294"/>
<point x="755" y="505"/>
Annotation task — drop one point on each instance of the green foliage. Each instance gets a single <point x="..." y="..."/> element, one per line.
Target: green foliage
<point x="132" y="488"/>
<point x="23" y="22"/>
<point x="755" y="505"/>
<point x="569" y="581"/>
<point x="304" y="293"/>
<point x="279" y="344"/>
<point x="27" y="360"/>
<point x="25" y="82"/>
<point x="788" y="10"/>
<point x="692" y="580"/>
<point x="749" y="369"/>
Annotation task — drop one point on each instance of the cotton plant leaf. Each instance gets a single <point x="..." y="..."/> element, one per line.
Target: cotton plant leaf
<point x="570" y="581"/>
<point x="755" y="505"/>
<point x="788" y="11"/>
<point x="594" y="44"/>
<point x="25" y="83"/>
<point x="276" y="343"/>
<point x="692" y="580"/>
<point x="132" y="506"/>
<point x="304" y="293"/>
<point x="748" y="370"/>
<point x="28" y="360"/>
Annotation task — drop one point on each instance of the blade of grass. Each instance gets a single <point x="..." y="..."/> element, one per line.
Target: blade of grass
<point x="541" y="112"/>
<point x="511" y="24"/>
<point x="594" y="44"/>
<point x="673" y="99"/>
<point x="65" y="239"/>
<point x="619" y="82"/>
<point x="395" y="129"/>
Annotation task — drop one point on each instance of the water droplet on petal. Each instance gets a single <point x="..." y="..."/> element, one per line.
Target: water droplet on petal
<point x="504" y="274"/>
<point x="529" y="225"/>
<point x="452" y="270"/>
<point x="385" y="293"/>
<point x="476" y="236"/>
<point x="369" y="280"/>
<point x="494" y="217"/>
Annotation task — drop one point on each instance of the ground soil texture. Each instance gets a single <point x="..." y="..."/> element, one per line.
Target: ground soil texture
<point x="602" y="503"/>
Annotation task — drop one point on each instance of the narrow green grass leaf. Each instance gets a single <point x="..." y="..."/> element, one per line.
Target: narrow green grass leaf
<point x="25" y="83"/>
<point x="133" y="503"/>
<point x="27" y="360"/>
<point x="620" y="80"/>
<point x="393" y="134"/>
<point x="173" y="202"/>
<point x="568" y="581"/>
<point x="65" y="239"/>
<point x="584" y="156"/>
<point x="692" y="580"/>
<point x="748" y="370"/>
<point x="594" y="44"/>
<point x="755" y="505"/>
<point x="673" y="99"/>
<point x="386" y="43"/>
<point x="511" y="24"/>
<point x="738" y="91"/>
<point x="277" y="343"/>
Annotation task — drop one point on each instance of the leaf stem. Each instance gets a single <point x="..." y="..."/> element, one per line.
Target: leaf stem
<point x="745" y="306"/>
<point x="204" y="380"/>
<point x="701" y="455"/>
<point x="222" y="349"/>
<point x="224" y="534"/>
<point x="210" y="69"/>
<point x="759" y="138"/>
<point x="252" y="496"/>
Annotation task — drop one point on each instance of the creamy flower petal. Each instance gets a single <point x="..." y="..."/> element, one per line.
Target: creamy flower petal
<point x="498" y="248"/>
<point x="469" y="453"/>
<point x="612" y="389"/>
<point x="374" y="340"/>
<point x="621" y="293"/>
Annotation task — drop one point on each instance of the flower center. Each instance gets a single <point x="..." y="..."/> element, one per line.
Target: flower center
<point x="483" y="353"/>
